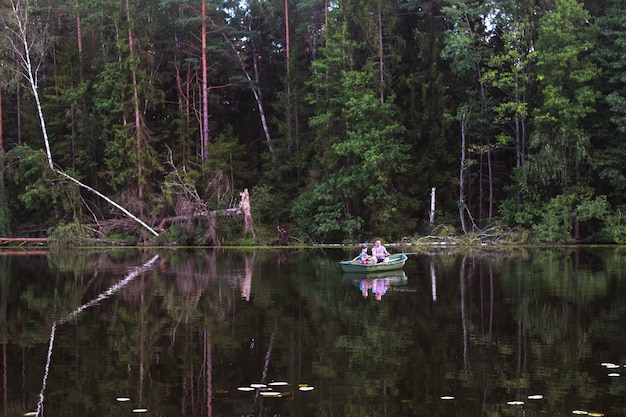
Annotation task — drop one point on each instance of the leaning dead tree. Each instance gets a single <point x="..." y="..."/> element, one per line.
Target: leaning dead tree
<point x="28" y="40"/>
<point x="189" y="206"/>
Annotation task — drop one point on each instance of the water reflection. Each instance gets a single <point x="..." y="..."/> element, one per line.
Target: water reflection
<point x="376" y="284"/>
<point x="276" y="333"/>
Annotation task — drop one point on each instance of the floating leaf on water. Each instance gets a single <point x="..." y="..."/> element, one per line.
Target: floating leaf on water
<point x="610" y="365"/>
<point x="278" y="383"/>
<point x="270" y="394"/>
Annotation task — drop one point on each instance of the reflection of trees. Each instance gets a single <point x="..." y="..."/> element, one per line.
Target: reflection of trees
<point x="360" y="344"/>
<point x="188" y="319"/>
<point x="510" y="327"/>
<point x="181" y="338"/>
<point x="59" y="320"/>
<point x="552" y="328"/>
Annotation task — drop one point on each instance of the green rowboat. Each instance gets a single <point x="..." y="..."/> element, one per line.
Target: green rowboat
<point x="395" y="261"/>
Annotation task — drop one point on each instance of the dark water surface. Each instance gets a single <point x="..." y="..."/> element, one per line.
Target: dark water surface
<point x="205" y="332"/>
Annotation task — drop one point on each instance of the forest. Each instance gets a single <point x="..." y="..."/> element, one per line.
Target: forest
<point x="343" y="118"/>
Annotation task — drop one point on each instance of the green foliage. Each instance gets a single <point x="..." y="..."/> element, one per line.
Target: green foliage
<point x="5" y="221"/>
<point x="610" y="123"/>
<point x="444" y="230"/>
<point x="263" y="204"/>
<point x="615" y="229"/>
<point x="226" y="156"/>
<point x="566" y="74"/>
<point x="230" y="229"/>
<point x="35" y="193"/>
<point x="358" y="114"/>
<point x="321" y="217"/>
<point x="363" y="157"/>
<point x="556" y="221"/>
<point x="68" y="234"/>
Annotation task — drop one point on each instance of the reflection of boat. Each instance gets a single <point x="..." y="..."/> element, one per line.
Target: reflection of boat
<point x="395" y="277"/>
<point x="376" y="283"/>
<point x="395" y="261"/>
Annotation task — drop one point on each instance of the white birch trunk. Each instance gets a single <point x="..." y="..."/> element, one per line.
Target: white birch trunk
<point x="432" y="206"/>
<point x="138" y="124"/>
<point x="30" y="73"/>
<point x="462" y="175"/>
<point x="255" y="90"/>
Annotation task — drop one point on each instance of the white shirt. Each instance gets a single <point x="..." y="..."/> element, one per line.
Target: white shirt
<point x="379" y="252"/>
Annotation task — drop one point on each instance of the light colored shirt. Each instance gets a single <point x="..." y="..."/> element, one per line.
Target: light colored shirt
<point x="379" y="252"/>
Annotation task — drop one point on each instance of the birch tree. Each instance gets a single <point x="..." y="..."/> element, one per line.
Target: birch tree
<point x="27" y="35"/>
<point x="466" y="49"/>
<point x="249" y="50"/>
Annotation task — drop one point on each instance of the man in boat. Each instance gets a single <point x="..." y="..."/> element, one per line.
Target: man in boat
<point x="379" y="251"/>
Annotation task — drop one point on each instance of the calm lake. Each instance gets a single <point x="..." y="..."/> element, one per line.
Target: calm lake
<point x="225" y="332"/>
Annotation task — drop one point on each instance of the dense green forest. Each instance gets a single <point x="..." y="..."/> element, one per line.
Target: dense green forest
<point x="340" y="116"/>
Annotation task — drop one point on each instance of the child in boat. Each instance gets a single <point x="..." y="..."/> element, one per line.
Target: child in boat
<point x="363" y="256"/>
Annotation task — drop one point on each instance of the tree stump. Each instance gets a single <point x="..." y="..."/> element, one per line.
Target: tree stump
<point x="244" y="205"/>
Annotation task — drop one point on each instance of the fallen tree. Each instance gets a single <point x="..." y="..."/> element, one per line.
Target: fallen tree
<point x="22" y="36"/>
<point x="27" y="36"/>
<point x="243" y="209"/>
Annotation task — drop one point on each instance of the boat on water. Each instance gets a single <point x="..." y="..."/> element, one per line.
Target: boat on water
<point x="392" y="262"/>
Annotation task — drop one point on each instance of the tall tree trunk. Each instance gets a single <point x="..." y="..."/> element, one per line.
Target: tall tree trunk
<point x="463" y="207"/>
<point x="462" y="175"/>
<point x="520" y="141"/>
<point x="30" y="71"/>
<point x="381" y="61"/>
<point x="138" y="119"/>
<point x="205" y="91"/>
<point x="18" y="105"/>
<point x="4" y="218"/>
<point x="79" y="41"/>
<point x="79" y="44"/>
<point x="487" y="147"/>
<point x="256" y="89"/>
<point x="1" y="126"/>
<point x="326" y="9"/>
<point x="288" y="62"/>
<point x="481" y="191"/>
<point x="490" y="175"/>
